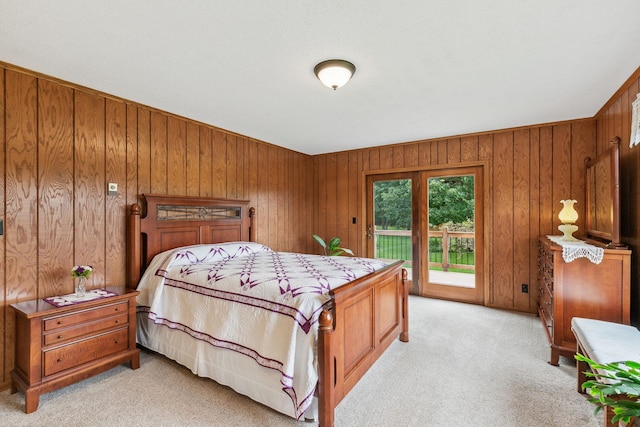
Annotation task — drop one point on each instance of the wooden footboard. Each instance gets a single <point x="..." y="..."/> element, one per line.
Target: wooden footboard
<point x="365" y="317"/>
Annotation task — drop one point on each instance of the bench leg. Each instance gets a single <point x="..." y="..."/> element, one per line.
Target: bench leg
<point x="608" y="415"/>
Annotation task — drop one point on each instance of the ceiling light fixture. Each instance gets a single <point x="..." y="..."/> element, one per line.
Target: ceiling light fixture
<point x="334" y="73"/>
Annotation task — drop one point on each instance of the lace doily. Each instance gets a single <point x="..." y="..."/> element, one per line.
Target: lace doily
<point x="579" y="249"/>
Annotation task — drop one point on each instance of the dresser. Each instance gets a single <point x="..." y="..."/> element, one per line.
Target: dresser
<point x="58" y="346"/>
<point x="580" y="288"/>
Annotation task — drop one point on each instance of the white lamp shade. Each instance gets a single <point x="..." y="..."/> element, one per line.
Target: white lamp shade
<point x="334" y="73"/>
<point x="568" y="214"/>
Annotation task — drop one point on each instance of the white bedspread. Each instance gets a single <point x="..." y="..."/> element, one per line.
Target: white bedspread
<point x="245" y="298"/>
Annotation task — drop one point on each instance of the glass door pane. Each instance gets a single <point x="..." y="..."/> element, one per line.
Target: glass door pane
<point x="392" y="217"/>
<point x="452" y="261"/>
<point x="452" y="230"/>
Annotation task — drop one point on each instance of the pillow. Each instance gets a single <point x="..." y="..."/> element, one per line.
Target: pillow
<point x="207" y="253"/>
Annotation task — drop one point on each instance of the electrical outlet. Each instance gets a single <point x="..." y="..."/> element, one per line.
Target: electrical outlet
<point x="525" y="288"/>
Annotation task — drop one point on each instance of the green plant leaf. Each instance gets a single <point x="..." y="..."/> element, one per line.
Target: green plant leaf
<point x="334" y="244"/>
<point x="320" y="240"/>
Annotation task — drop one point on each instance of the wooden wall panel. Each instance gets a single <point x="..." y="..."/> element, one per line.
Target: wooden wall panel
<point x="219" y="164"/>
<point x="89" y="184"/>
<point x="159" y="158"/>
<point x="424" y="154"/>
<point x="231" y="166"/>
<point x="252" y="167"/>
<point x="241" y="168"/>
<point x="503" y="219"/>
<point x="60" y="146"/>
<point x="281" y="206"/>
<point x="547" y="202"/>
<point x="263" y="206"/>
<point x="386" y="158"/>
<point x="534" y="211"/>
<point x="21" y="180"/>
<point x="55" y="176"/>
<point x="321" y="199"/>
<point x="4" y="368"/>
<point x="193" y="160"/>
<point x="205" y="163"/>
<point x="176" y="156"/>
<point x="132" y="154"/>
<point x="21" y="200"/>
<point x="274" y="208"/>
<point x="410" y="155"/>
<point x="115" y="226"/>
<point x="561" y="167"/>
<point x="453" y="150"/>
<point x="521" y="218"/>
<point x="343" y="187"/>
<point x="469" y="149"/>
<point x="144" y="151"/>
<point x="355" y="194"/>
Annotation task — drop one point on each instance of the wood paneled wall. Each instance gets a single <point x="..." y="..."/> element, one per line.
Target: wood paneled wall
<point x="614" y="119"/>
<point x="530" y="170"/>
<point x="61" y="145"/>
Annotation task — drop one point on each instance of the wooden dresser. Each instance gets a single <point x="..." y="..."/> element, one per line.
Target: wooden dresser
<point x="580" y="288"/>
<point x="58" y="346"/>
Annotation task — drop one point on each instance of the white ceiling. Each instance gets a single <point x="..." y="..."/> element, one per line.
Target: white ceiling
<point x="425" y="68"/>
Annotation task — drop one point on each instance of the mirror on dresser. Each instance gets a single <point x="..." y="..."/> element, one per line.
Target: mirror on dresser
<point x="603" y="196"/>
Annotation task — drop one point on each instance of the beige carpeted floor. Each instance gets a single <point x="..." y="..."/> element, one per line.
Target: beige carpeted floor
<point x="465" y="365"/>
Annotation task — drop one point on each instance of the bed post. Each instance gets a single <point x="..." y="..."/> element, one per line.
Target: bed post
<point x="252" y="220"/>
<point x="404" y="335"/>
<point x="134" y="263"/>
<point x="326" y="371"/>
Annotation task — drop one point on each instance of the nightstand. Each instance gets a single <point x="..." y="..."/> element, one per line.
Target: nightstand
<point x="58" y="346"/>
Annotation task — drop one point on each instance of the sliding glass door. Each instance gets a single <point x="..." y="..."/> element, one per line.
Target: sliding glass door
<point x="432" y="220"/>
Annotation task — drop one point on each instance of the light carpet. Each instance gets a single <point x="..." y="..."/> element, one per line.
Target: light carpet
<point x="465" y="365"/>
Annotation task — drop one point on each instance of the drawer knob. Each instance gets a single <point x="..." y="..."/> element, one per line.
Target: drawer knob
<point x="116" y="341"/>
<point x="117" y="321"/>
<point x="59" y="360"/>
<point x="59" y="337"/>
<point x="60" y="322"/>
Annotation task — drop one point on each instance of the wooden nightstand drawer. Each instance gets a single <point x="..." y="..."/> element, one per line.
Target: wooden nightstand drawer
<point x="59" y="336"/>
<point x="64" y="321"/>
<point x="76" y="354"/>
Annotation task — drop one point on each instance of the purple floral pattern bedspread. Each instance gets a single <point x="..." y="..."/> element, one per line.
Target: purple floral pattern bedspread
<point x="246" y="298"/>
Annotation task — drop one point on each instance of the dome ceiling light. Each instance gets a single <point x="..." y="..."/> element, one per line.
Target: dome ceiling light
<point x="334" y="73"/>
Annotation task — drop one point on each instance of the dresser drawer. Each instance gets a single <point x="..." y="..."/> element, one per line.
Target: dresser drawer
<point x="69" y="356"/>
<point x="61" y="335"/>
<point x="53" y="323"/>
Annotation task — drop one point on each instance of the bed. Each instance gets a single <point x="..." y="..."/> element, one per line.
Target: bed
<point x="334" y="316"/>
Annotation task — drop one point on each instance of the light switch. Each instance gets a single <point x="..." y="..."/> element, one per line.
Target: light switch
<point x="112" y="189"/>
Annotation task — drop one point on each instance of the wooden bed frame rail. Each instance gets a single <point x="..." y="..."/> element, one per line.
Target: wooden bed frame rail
<point x="362" y="320"/>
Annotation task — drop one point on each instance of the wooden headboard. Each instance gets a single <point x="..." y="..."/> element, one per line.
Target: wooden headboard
<point x="172" y="221"/>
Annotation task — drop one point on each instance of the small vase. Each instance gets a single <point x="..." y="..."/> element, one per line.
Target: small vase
<point x="81" y="288"/>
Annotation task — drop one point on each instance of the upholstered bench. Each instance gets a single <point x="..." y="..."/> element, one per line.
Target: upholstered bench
<point x="604" y="342"/>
